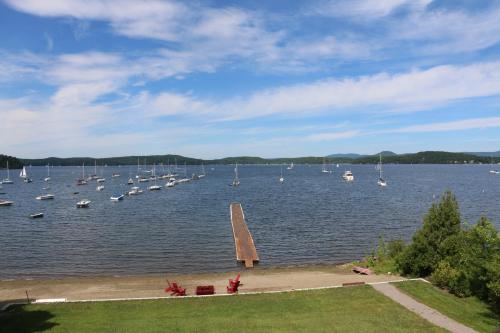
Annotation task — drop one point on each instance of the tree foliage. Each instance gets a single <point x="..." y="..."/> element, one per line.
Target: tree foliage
<point x="465" y="261"/>
<point x="14" y="163"/>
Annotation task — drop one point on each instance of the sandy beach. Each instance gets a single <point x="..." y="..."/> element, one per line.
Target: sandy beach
<point x="254" y="280"/>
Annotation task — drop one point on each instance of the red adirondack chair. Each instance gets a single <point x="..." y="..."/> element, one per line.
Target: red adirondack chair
<point x="175" y="290"/>
<point x="233" y="285"/>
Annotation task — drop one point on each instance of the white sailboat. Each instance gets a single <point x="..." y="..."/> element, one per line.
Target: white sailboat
<point x="154" y="187"/>
<point x="325" y="169"/>
<point x="381" y="181"/>
<point x="493" y="171"/>
<point x="281" y="174"/>
<point x="23" y="174"/>
<point x="7" y="180"/>
<point x="48" y="174"/>
<point x="82" y="181"/>
<point x="236" y="180"/>
<point x="290" y="167"/>
<point x="202" y="171"/>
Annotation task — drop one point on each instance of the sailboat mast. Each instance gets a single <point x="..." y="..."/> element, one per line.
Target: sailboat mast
<point x="380" y="165"/>
<point x="8" y="173"/>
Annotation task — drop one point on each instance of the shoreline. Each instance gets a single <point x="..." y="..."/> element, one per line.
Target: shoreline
<point x="255" y="280"/>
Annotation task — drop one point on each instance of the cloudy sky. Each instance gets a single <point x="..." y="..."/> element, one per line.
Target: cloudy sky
<point x="264" y="78"/>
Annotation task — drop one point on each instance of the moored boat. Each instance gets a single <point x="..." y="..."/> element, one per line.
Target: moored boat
<point x="7" y="180"/>
<point x="135" y="191"/>
<point x="348" y="176"/>
<point x="83" y="203"/>
<point x="116" y="197"/>
<point x="36" y="215"/>
<point x="45" y="197"/>
<point x="6" y="203"/>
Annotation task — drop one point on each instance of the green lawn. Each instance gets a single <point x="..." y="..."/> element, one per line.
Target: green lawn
<point x="469" y="311"/>
<point x="354" y="309"/>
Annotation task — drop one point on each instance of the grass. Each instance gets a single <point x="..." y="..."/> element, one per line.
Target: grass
<point x="469" y="311"/>
<point x="352" y="309"/>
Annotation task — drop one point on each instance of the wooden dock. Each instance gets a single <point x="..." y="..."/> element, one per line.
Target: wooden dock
<point x="243" y="241"/>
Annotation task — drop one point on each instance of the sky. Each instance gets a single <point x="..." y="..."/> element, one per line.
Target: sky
<point x="277" y="78"/>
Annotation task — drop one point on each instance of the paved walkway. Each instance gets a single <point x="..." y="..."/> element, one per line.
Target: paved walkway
<point x="422" y="310"/>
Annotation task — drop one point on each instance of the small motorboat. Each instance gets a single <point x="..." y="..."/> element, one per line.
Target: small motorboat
<point x="117" y="197"/>
<point x="195" y="177"/>
<point x="130" y="181"/>
<point x="36" y="215"/>
<point x="101" y="180"/>
<point x="6" y="203"/>
<point x="45" y="197"/>
<point x="114" y="175"/>
<point x="154" y="188"/>
<point x="170" y="184"/>
<point x="27" y="180"/>
<point x="83" y="203"/>
<point x="100" y="188"/>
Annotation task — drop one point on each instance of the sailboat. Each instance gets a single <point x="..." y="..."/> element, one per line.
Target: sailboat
<point x="48" y="174"/>
<point x="202" y="171"/>
<point x="7" y="180"/>
<point x="236" y="180"/>
<point x="381" y="181"/>
<point x="281" y="175"/>
<point x="82" y="181"/>
<point x="290" y="167"/>
<point x="94" y="176"/>
<point x="493" y="171"/>
<point x="24" y="175"/>
<point x="154" y="187"/>
<point x="325" y="170"/>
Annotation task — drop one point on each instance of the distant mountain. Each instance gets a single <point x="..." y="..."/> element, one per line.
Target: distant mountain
<point x="387" y="153"/>
<point x="355" y="156"/>
<point x="425" y="157"/>
<point x="490" y="154"/>
<point x="345" y="156"/>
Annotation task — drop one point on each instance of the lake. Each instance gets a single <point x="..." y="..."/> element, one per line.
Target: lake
<point x="312" y="218"/>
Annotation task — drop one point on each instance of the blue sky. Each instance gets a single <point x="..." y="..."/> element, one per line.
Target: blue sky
<point x="264" y="78"/>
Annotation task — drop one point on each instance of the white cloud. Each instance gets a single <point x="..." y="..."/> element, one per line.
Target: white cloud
<point x="366" y="9"/>
<point x="411" y="91"/>
<point x="458" y="125"/>
<point x="146" y="18"/>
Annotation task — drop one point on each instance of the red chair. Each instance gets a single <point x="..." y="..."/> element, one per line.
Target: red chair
<point x="175" y="290"/>
<point x="233" y="285"/>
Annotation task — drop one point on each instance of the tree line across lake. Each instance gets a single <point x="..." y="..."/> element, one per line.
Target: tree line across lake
<point x="427" y="157"/>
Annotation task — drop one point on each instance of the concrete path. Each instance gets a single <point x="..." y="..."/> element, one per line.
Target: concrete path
<point x="422" y="310"/>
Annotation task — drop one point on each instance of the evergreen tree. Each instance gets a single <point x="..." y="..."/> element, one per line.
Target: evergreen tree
<point x="429" y="244"/>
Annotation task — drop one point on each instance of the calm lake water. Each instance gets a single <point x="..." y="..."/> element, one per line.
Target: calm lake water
<point x="312" y="218"/>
